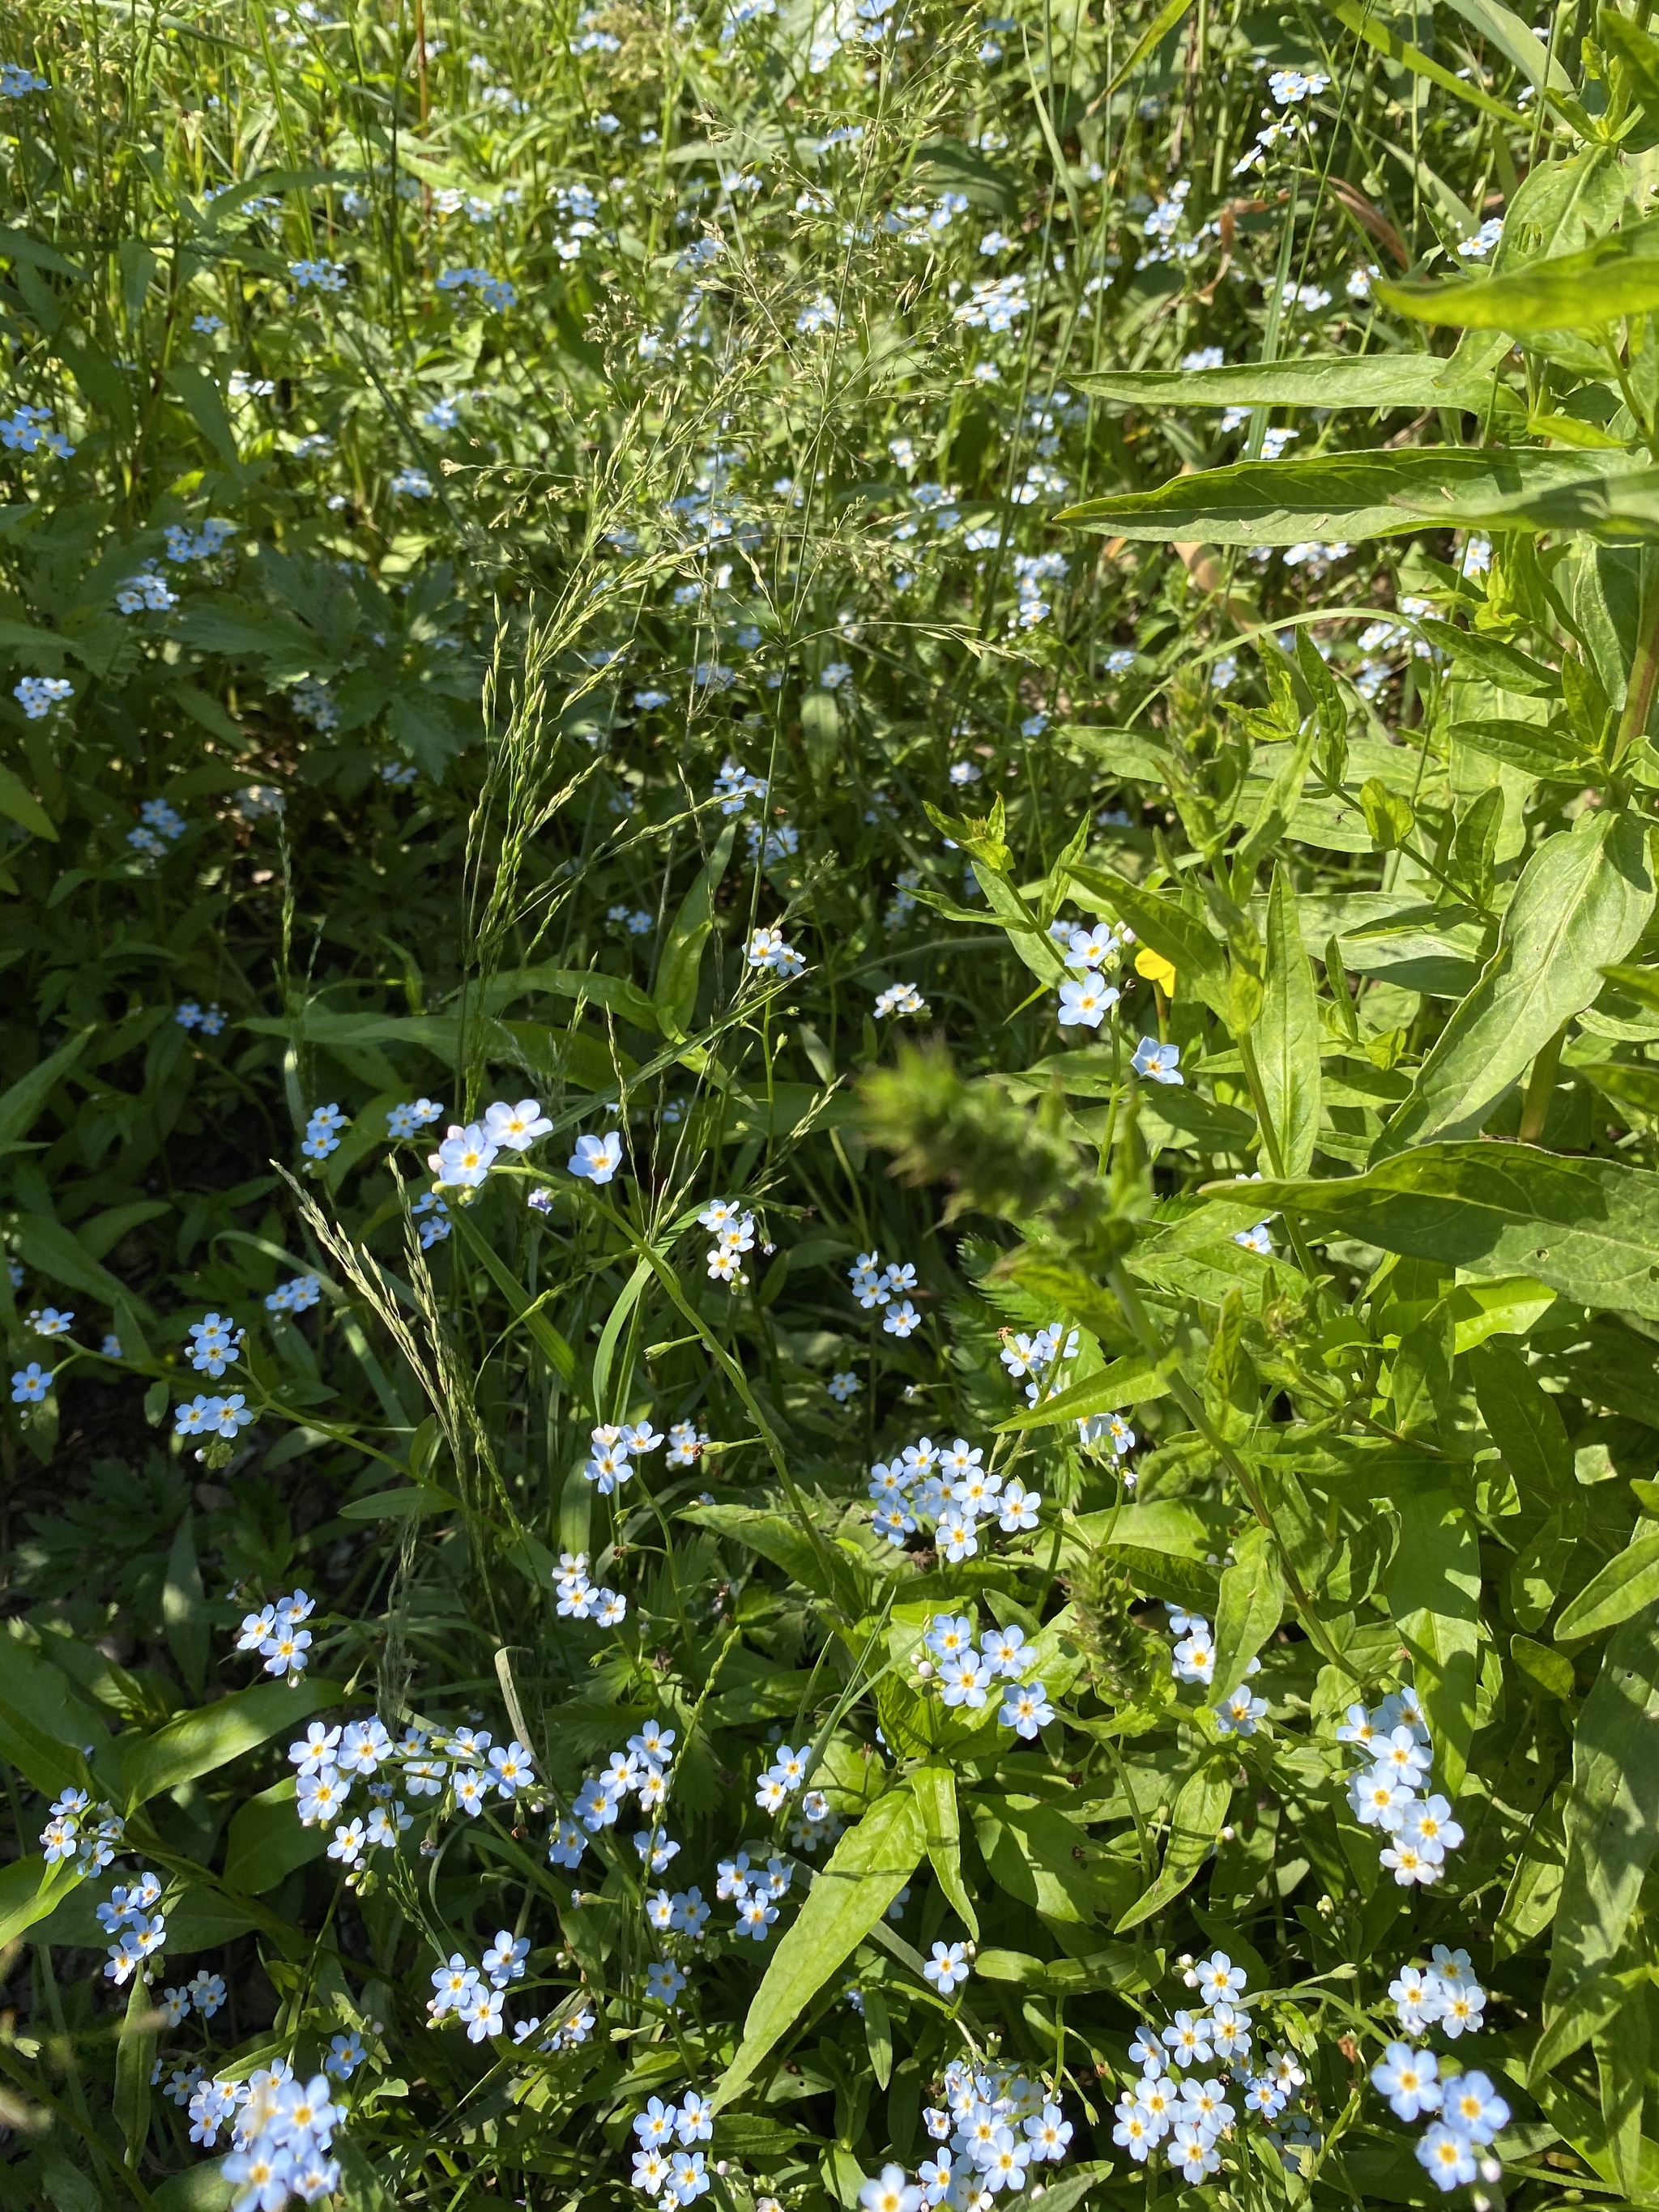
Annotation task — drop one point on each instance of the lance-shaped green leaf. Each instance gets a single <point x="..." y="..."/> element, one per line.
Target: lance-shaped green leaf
<point x="1615" y="510"/>
<point x="867" y="1871"/>
<point x="1159" y="920"/>
<point x="935" y="1788"/>
<point x="1612" y="1811"/>
<point x="1195" y="1820"/>
<point x="30" y="1890"/>
<point x="1618" y="276"/>
<point x="1346" y="496"/>
<point x="1581" y="903"/>
<point x="675" y="996"/>
<point x="1627" y="1585"/>
<point x="1131" y="1381"/>
<point x="1252" y="1606"/>
<point x="1588" y="1228"/>
<point x="1287" y="1033"/>
<point x="1434" y="1596"/>
<point x="1035" y="1853"/>
<point x="196" y="1743"/>
<point x="1367" y="380"/>
<point x="1360" y="16"/>
<point x="1525" y="1424"/>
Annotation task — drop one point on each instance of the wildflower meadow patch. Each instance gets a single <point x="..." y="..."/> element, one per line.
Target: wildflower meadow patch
<point x="828" y="1106"/>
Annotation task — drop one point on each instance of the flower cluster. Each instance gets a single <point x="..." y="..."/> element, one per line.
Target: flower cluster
<point x="1193" y="1660"/>
<point x="948" y="1491"/>
<point x="994" y="2126"/>
<point x="1470" y="2113"/>
<point x="1027" y="1358"/>
<point x="282" y="2134"/>
<point x="409" y="1120"/>
<point x="466" y="1155"/>
<point x="1418" y="1832"/>
<point x="221" y="1418"/>
<point x="213" y="1347"/>
<point x="766" y="949"/>
<point x="875" y="1285"/>
<point x="643" y="1770"/>
<point x="322" y="1134"/>
<point x="275" y="1633"/>
<point x="145" y="593"/>
<point x="296" y="1296"/>
<point x="899" y="999"/>
<point x="24" y="431"/>
<point x="191" y="1014"/>
<point x="158" y="826"/>
<point x="615" y="1447"/>
<point x="674" y="2176"/>
<point x="90" y="1834"/>
<point x="968" y="1674"/>
<point x="581" y="1599"/>
<point x="733" y="1232"/>
<point x="137" y="1930"/>
<point x="1194" y="2114"/>
<point x="474" y="1995"/>
<point x="495" y="291"/>
<point x="205" y="543"/>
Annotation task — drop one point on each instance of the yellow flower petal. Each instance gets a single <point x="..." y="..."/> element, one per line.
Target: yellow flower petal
<point x="1157" y="969"/>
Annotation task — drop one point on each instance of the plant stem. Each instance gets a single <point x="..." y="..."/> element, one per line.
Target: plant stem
<point x="1541" y="1089"/>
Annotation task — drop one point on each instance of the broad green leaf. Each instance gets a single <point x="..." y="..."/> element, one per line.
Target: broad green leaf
<point x="1570" y="2026"/>
<point x="1136" y="754"/>
<point x="1131" y="1381"/>
<point x="1034" y="944"/>
<point x="1615" y="510"/>
<point x="1628" y="1584"/>
<point x="266" y="1841"/>
<point x="833" y="1574"/>
<point x="615" y="993"/>
<point x="1033" y="1852"/>
<point x="1612" y="1818"/>
<point x="19" y="804"/>
<point x="1346" y="496"/>
<point x="1525" y="1424"/>
<point x="30" y="1890"/>
<point x="1286" y="1036"/>
<point x="935" y="1788"/>
<point x="61" y="1257"/>
<point x="200" y="2188"/>
<point x="1252" y="1606"/>
<point x="45" y="1720"/>
<point x="868" y="1868"/>
<point x="1434" y="1596"/>
<point x="1581" y="903"/>
<point x="1551" y="1670"/>
<point x="1196" y="1819"/>
<point x="1542" y="749"/>
<point x="1618" y="276"/>
<point x="1156" y="919"/>
<point x="206" y="405"/>
<point x="1588" y="1228"/>
<point x="1490" y="661"/>
<point x="675" y="995"/>
<point x="1366" y="381"/>
<point x="196" y="1743"/>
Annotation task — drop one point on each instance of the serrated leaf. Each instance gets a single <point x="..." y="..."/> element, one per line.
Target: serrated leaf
<point x="1346" y="495"/>
<point x="1581" y="903"/>
<point x="868" y="1868"/>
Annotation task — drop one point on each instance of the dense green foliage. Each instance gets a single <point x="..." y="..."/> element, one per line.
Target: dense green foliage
<point x="942" y="637"/>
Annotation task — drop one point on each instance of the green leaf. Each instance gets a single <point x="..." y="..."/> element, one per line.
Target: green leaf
<point x="135" y="2054"/>
<point x="1286" y="1036"/>
<point x="935" y="1788"/>
<point x="184" y="1608"/>
<point x="674" y="994"/>
<point x="1434" y="1596"/>
<point x="1365" y="380"/>
<point x="1131" y="1381"/>
<point x="1252" y="1606"/>
<point x="196" y="1743"/>
<point x="1542" y="749"/>
<point x="1360" y="17"/>
<point x="20" y="804"/>
<point x="266" y="1841"/>
<point x="835" y="1575"/>
<point x="22" y="1104"/>
<point x="1581" y="904"/>
<point x="1551" y="1670"/>
<point x="1196" y="1819"/>
<point x="615" y="993"/>
<point x="1637" y="49"/>
<point x="30" y="1890"/>
<point x="201" y="2188"/>
<point x="60" y="1256"/>
<point x="1137" y="756"/>
<point x="1490" y="661"/>
<point x="1347" y="495"/>
<point x="1612" y="1818"/>
<point x="868" y="1868"/>
<point x="1618" y="276"/>
<point x="527" y="1310"/>
<point x="18" y="246"/>
<point x="411" y="1503"/>
<point x="205" y="403"/>
<point x="1156" y="919"/>
<point x="1034" y="1852"/>
<point x="1588" y="1228"/>
<point x="1525" y="1424"/>
<point x="1628" y="1584"/>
